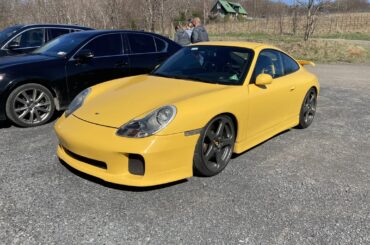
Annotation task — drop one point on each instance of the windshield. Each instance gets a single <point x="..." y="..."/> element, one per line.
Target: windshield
<point x="211" y="64"/>
<point x="62" y="45"/>
<point x="6" y="33"/>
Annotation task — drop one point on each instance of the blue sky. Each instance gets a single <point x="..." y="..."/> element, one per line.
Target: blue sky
<point x="291" y="1"/>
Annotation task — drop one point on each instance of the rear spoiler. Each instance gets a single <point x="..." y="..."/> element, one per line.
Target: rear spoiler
<point x="306" y="62"/>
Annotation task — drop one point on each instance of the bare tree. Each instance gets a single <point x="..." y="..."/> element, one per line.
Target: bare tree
<point x="312" y="8"/>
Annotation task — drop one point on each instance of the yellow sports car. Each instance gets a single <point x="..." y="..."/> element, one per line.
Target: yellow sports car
<point x="188" y="116"/>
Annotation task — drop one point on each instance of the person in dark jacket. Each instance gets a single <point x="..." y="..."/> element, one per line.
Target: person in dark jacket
<point x="181" y="37"/>
<point x="199" y="33"/>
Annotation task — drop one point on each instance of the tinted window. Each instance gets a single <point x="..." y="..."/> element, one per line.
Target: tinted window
<point x="211" y="64"/>
<point x="140" y="43"/>
<point x="161" y="45"/>
<point x="290" y="65"/>
<point x="53" y="33"/>
<point x="63" y="45"/>
<point x="31" y="38"/>
<point x="4" y="34"/>
<point x="269" y="62"/>
<point x="106" y="45"/>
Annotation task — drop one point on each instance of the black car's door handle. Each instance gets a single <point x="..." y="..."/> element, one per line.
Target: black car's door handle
<point x="121" y="64"/>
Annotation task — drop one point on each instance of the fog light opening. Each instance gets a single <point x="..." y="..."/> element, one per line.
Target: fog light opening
<point x="136" y="164"/>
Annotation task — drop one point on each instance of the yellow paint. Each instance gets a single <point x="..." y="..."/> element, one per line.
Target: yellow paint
<point x="260" y="111"/>
<point x="306" y="62"/>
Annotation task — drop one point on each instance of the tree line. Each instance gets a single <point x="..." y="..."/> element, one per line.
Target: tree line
<point x="159" y="15"/>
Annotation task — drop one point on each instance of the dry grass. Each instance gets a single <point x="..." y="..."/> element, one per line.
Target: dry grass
<point x="329" y="24"/>
<point x="320" y="51"/>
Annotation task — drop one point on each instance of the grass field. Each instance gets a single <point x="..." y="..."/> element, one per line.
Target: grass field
<point x="318" y="50"/>
<point x="346" y="36"/>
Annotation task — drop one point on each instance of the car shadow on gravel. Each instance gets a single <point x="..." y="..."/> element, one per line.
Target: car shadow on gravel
<point x="8" y="124"/>
<point x="5" y="124"/>
<point x="236" y="155"/>
<point x="116" y="186"/>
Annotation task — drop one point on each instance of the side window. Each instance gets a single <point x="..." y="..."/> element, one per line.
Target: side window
<point x="290" y="66"/>
<point x="54" y="33"/>
<point x="106" y="45"/>
<point x="141" y="43"/>
<point x="269" y="62"/>
<point x="29" y="39"/>
<point x="162" y="46"/>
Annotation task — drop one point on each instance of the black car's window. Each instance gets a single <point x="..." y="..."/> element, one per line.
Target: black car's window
<point x="6" y="33"/>
<point x="141" y="43"/>
<point x="161" y="45"/>
<point x="29" y="39"/>
<point x="63" y="45"/>
<point x="106" y="45"/>
<point x="56" y="32"/>
<point x="211" y="64"/>
<point x="269" y="62"/>
<point x="290" y="66"/>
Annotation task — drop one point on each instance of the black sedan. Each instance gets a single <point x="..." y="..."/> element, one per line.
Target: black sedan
<point x="33" y="86"/>
<point x="22" y="39"/>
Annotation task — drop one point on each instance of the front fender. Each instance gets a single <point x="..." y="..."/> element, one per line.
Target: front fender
<point x="194" y="113"/>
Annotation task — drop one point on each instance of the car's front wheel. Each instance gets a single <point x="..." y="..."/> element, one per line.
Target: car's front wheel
<point x="30" y="105"/>
<point x="215" y="146"/>
<point x="308" y="110"/>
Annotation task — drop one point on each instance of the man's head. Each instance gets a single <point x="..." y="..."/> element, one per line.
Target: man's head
<point x="196" y="21"/>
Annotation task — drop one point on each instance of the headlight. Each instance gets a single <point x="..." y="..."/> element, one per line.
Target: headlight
<point x="150" y="124"/>
<point x="77" y="102"/>
<point x="2" y="76"/>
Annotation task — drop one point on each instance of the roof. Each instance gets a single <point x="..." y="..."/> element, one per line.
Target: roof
<point x="55" y="25"/>
<point x="91" y="33"/>
<point x="225" y="4"/>
<point x="249" y="45"/>
<point x="241" y="10"/>
<point x="231" y="7"/>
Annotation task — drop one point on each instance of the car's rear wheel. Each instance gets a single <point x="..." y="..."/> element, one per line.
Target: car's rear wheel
<point x="215" y="146"/>
<point x="30" y="105"/>
<point x="308" y="110"/>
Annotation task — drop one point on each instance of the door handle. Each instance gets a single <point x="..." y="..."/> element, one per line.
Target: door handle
<point x="292" y="89"/>
<point x="122" y="64"/>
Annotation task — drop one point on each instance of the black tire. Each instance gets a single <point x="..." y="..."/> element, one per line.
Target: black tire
<point x="215" y="146"/>
<point x="308" y="109"/>
<point x="30" y="105"/>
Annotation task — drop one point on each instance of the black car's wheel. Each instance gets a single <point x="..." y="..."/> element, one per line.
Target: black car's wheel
<point x="308" y="109"/>
<point x="30" y="105"/>
<point x="215" y="146"/>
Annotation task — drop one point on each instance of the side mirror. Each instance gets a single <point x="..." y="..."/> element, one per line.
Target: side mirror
<point x="84" y="55"/>
<point x="13" y="46"/>
<point x="264" y="79"/>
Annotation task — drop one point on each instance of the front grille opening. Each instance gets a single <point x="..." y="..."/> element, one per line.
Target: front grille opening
<point x="86" y="160"/>
<point x="136" y="164"/>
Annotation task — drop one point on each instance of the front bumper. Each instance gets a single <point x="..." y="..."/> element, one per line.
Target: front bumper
<point x="167" y="158"/>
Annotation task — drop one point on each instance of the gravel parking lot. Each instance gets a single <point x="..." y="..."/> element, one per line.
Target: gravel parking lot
<point x="302" y="187"/>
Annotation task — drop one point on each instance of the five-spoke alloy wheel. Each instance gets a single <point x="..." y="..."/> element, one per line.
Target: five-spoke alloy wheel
<point x="308" y="110"/>
<point x="215" y="146"/>
<point x="30" y="105"/>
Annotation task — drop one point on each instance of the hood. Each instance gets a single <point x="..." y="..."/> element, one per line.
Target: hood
<point x="117" y="102"/>
<point x="23" y="59"/>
